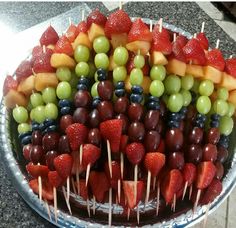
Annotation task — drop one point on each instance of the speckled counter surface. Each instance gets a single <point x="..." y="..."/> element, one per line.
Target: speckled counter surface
<point x="19" y="16"/>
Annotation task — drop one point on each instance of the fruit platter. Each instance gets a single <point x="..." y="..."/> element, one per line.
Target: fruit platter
<point x="120" y="122"/>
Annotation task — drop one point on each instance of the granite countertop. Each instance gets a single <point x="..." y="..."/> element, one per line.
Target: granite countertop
<point x="19" y="16"/>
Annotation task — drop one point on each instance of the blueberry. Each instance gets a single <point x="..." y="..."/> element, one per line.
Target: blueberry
<point x="101" y="71"/>
<point x="136" y="98"/>
<point x="119" y="92"/>
<point x="199" y="124"/>
<point x="82" y="87"/>
<point x="183" y="110"/>
<point x="153" y="98"/>
<point x="201" y="117"/>
<point x="49" y="122"/>
<point x="65" y="110"/>
<point x="26" y="140"/>
<point x="153" y="105"/>
<point x="21" y="136"/>
<point x="215" y="117"/>
<point x="64" y="103"/>
<point x="102" y="74"/>
<point x="224" y="138"/>
<point x="84" y="81"/>
<point x="224" y="144"/>
<point x="96" y="101"/>
<point x="120" y="85"/>
<point x="42" y="126"/>
<point x="173" y="124"/>
<point x="51" y="128"/>
<point x="214" y="123"/>
<point x="174" y="116"/>
<point x="35" y="126"/>
<point x="137" y="89"/>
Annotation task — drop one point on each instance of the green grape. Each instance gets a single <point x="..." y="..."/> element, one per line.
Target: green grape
<point x="220" y="107"/>
<point x="165" y="98"/>
<point x="36" y="99"/>
<point x="187" y="82"/>
<point x="96" y="77"/>
<point x="158" y="72"/>
<point x="20" y="114"/>
<point x="226" y="125"/>
<point x="49" y="95"/>
<point x="32" y="114"/>
<point x="81" y="53"/>
<point x="82" y="69"/>
<point x="203" y="104"/>
<point x="139" y="61"/>
<point x="51" y="111"/>
<point x="101" y="60"/>
<point x="92" y="69"/>
<point x="175" y="102"/>
<point x="74" y="80"/>
<point x="94" y="91"/>
<point x="172" y="84"/>
<point x="186" y="96"/>
<point x="156" y="88"/>
<point x="136" y="76"/>
<point x="222" y="93"/>
<point x="119" y="73"/>
<point x="63" y="90"/>
<point x="63" y="74"/>
<point x="101" y="44"/>
<point x="195" y="86"/>
<point x="206" y="88"/>
<point x="39" y="114"/>
<point x="231" y="109"/>
<point x="29" y="106"/>
<point x="120" y="56"/>
<point x="23" y="128"/>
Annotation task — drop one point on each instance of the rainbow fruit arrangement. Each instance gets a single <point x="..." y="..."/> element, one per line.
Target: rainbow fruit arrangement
<point x="118" y="108"/>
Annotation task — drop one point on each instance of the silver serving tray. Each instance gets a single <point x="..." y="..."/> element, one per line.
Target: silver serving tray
<point x="15" y="166"/>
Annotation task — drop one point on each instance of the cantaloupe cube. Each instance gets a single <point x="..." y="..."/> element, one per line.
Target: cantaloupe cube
<point x="135" y="46"/>
<point x="228" y="81"/>
<point x="145" y="85"/>
<point x="157" y="58"/>
<point x="118" y="40"/>
<point x="212" y="74"/>
<point x="82" y="39"/>
<point x="62" y="60"/>
<point x="232" y="97"/>
<point x="43" y="80"/>
<point x="177" y="67"/>
<point x="95" y="31"/>
<point x="112" y="64"/>
<point x="27" y="85"/>
<point x="194" y="70"/>
<point x="14" y="98"/>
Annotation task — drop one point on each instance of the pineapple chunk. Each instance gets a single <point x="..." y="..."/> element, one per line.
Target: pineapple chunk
<point x="95" y="31"/>
<point x="142" y="46"/>
<point x="228" y="81"/>
<point x="146" y="84"/>
<point x="118" y="40"/>
<point x="195" y="70"/>
<point x="157" y="58"/>
<point x="43" y="80"/>
<point x="213" y="74"/>
<point x="27" y="85"/>
<point x="177" y="67"/>
<point x="62" y="60"/>
<point x="14" y="98"/>
<point x="82" y="39"/>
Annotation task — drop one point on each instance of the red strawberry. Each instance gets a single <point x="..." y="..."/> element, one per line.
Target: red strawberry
<point x="181" y="40"/>
<point x="77" y="134"/>
<point x="171" y="184"/>
<point x="37" y="170"/>
<point x="123" y="142"/>
<point x="129" y="187"/>
<point x="164" y="32"/>
<point x="63" y="165"/>
<point x="230" y="66"/>
<point x="24" y="70"/>
<point x="47" y="190"/>
<point x="99" y="184"/>
<point x="162" y="44"/>
<point x="135" y="152"/>
<point x="215" y="59"/>
<point x="130" y="65"/>
<point x="154" y="162"/>
<point x="63" y="45"/>
<point x="213" y="190"/>
<point x="161" y="147"/>
<point x="205" y="174"/>
<point x="9" y="83"/>
<point x="189" y="173"/>
<point x="83" y="189"/>
<point x="177" y="52"/>
<point x="50" y="36"/>
<point x="111" y="130"/>
<point x="117" y="23"/>
<point x="38" y="51"/>
<point x="193" y="51"/>
<point x="54" y="179"/>
<point x="96" y="17"/>
<point x="71" y="33"/>
<point x="201" y="37"/>
<point x="91" y="154"/>
<point x="139" y="31"/>
<point x="42" y="62"/>
<point x="116" y="174"/>
<point x="81" y="27"/>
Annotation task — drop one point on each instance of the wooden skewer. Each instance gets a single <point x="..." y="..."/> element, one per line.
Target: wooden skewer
<point x="70" y="21"/>
<point x="82" y="15"/>
<point x="135" y="181"/>
<point x="206" y="215"/>
<point x="109" y="157"/>
<point x="185" y="189"/>
<point x="195" y="35"/>
<point x="190" y="191"/>
<point x="197" y="200"/>
<point x="40" y="188"/>
<point x="48" y="210"/>
<point x="138" y="214"/>
<point x="88" y="207"/>
<point x="160" y="24"/>
<point x="158" y="197"/>
<point x="174" y="38"/>
<point x="119" y="190"/>
<point x="73" y="185"/>
<point x="94" y="206"/>
<point x="128" y="213"/>
<point x="150" y="26"/>
<point x="217" y="43"/>
<point x="122" y="165"/>
<point x="231" y="56"/>
<point x="120" y="5"/>
<point x="110" y="208"/>
<point x="80" y="154"/>
<point x="87" y="174"/>
<point x="148" y="187"/>
<point x="68" y="188"/>
<point x="174" y="202"/>
<point x="67" y="202"/>
<point x="55" y="203"/>
<point x="44" y="49"/>
<point x="203" y="26"/>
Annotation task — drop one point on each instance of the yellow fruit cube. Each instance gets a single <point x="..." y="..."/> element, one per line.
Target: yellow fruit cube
<point x="177" y="67"/>
<point x="14" y="98"/>
<point x="232" y="97"/>
<point x="195" y="70"/>
<point x="43" y="80"/>
<point x="142" y="46"/>
<point x="62" y="60"/>
<point x="145" y="84"/>
<point x="157" y="58"/>
<point x="82" y="39"/>
<point x="95" y="31"/>
<point x="27" y="85"/>
<point x="212" y="74"/>
<point x="228" y="81"/>
<point x="118" y="40"/>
